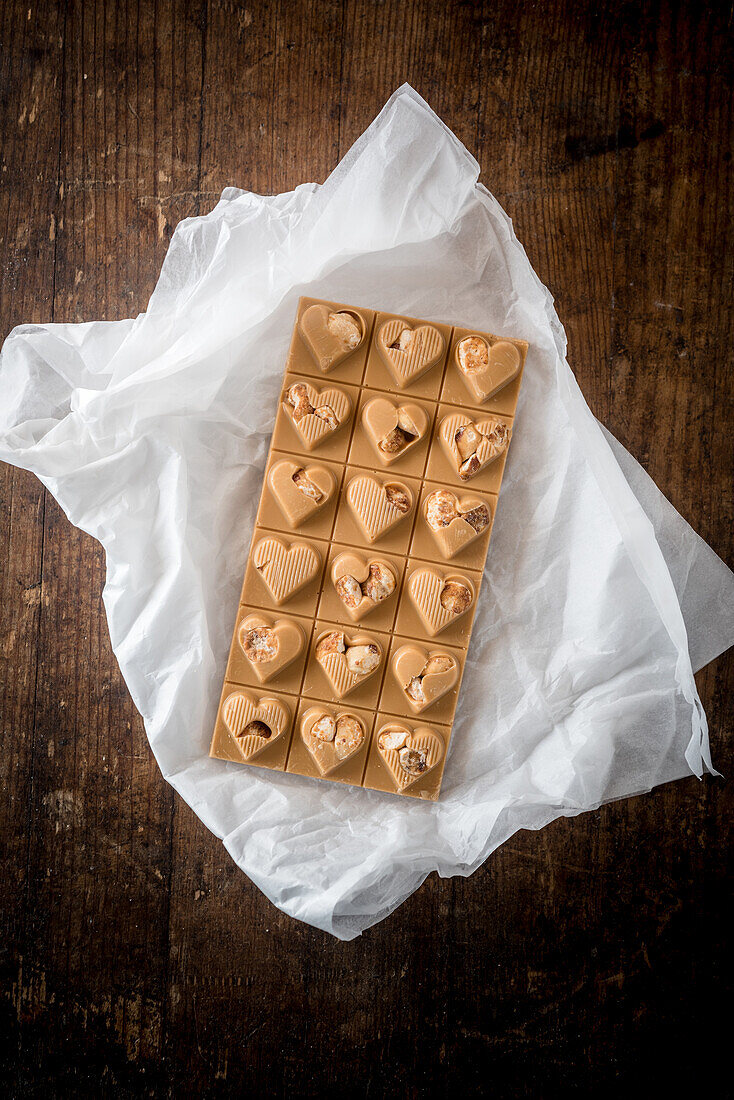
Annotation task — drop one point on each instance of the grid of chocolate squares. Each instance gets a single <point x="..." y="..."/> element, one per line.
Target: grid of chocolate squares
<point x="366" y="561"/>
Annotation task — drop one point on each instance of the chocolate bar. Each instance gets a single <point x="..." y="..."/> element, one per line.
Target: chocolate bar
<point x="370" y="540"/>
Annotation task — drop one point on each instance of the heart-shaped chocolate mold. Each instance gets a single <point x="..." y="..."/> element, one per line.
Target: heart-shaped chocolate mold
<point x="254" y="722"/>
<point x="315" y="414"/>
<point x="471" y="445"/>
<point x="393" y="429"/>
<point x="455" y="523"/>
<point x="285" y="569"/>
<point x="300" y="491"/>
<point x="347" y="661"/>
<point x="269" y="646"/>
<point x="409" y="754"/>
<point x="362" y="583"/>
<point x="331" y="736"/>
<point x="330" y="335"/>
<point x="377" y="507"/>
<point x="486" y="368"/>
<point x="409" y="352"/>
<point x="440" y="601"/>
<point x="424" y="677"/>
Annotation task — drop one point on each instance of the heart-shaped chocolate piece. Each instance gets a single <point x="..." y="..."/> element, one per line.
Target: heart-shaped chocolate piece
<point x="424" y="677"/>
<point x="486" y="368"/>
<point x="362" y="583"/>
<point x="393" y="429"/>
<point x="285" y="568"/>
<point x="254" y="722"/>
<point x="331" y="736"/>
<point x="440" y="601"/>
<point x="377" y="507"/>
<point x="344" y="671"/>
<point x="409" y="753"/>
<point x="409" y="352"/>
<point x="330" y="335"/>
<point x="471" y="445"/>
<point x="329" y="411"/>
<point x="454" y="522"/>
<point x="269" y="645"/>
<point x="300" y="491"/>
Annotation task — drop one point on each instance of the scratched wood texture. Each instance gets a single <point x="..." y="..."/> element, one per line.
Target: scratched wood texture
<point x="135" y="959"/>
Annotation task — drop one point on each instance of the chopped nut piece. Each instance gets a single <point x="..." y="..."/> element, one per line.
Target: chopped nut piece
<point x="498" y="435"/>
<point x="349" y="735"/>
<point x="349" y="590"/>
<point x="469" y="468"/>
<point x="393" y="442"/>
<point x="393" y="738"/>
<point x="346" y="328"/>
<point x="256" y="729"/>
<point x="298" y="397"/>
<point x="327" y="414"/>
<point x="437" y="664"/>
<point x="473" y="354"/>
<point x="407" y="424"/>
<point x="398" y="498"/>
<point x="478" y="518"/>
<point x="304" y="483"/>
<point x="331" y="643"/>
<point x="412" y="761"/>
<point x="324" y="728"/>
<point x="455" y="597"/>
<point x="363" y="658"/>
<point x="440" y="509"/>
<point x="404" y="340"/>
<point x="414" y="690"/>
<point x="381" y="582"/>
<point x="260" y="644"/>
<point x="467" y="439"/>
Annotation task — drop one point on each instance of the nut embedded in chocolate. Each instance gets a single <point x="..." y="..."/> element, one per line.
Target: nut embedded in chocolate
<point x="298" y="397"/>
<point x="393" y="738"/>
<point x="478" y="518"/>
<point x="407" y="424"/>
<point x="440" y="509"/>
<point x="414" y="690"/>
<point x="473" y="354"/>
<point x="345" y="327"/>
<point x="455" y="597"/>
<point x="381" y="582"/>
<point x="498" y="435"/>
<point x="327" y="414"/>
<point x="394" y="441"/>
<point x="469" y="468"/>
<point x="404" y="340"/>
<point x="303" y="482"/>
<point x="467" y="439"/>
<point x="398" y="498"/>
<point x="333" y="642"/>
<point x="349" y="735"/>
<point x="260" y="644"/>
<point x="439" y="663"/>
<point x="324" y="728"/>
<point x="349" y="590"/>
<point x="363" y="658"/>
<point x="412" y="761"/>
<point x="256" y="729"/>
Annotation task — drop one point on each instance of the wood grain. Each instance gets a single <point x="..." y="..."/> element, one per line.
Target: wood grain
<point x="135" y="958"/>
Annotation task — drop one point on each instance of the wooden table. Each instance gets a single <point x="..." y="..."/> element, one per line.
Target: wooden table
<point x="136" y="959"/>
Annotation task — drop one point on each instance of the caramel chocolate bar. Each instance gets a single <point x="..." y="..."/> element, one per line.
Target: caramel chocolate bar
<point x="370" y="541"/>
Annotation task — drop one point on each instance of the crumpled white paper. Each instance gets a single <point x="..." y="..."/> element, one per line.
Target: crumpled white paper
<point x="152" y="436"/>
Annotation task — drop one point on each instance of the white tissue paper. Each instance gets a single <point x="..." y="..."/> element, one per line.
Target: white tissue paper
<point x="152" y="436"/>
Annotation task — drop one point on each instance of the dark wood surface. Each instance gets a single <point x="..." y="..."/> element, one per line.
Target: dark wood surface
<point x="135" y="959"/>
